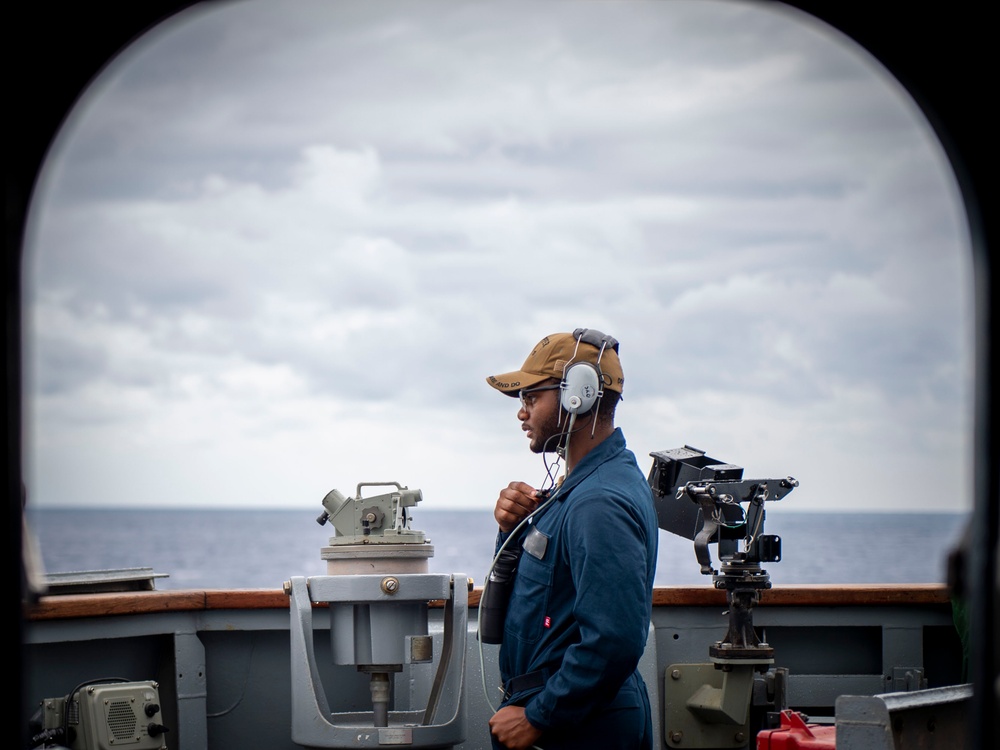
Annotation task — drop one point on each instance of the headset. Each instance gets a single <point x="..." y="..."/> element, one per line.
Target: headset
<point x="582" y="385"/>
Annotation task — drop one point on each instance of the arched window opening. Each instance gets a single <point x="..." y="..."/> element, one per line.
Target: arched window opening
<point x="276" y="252"/>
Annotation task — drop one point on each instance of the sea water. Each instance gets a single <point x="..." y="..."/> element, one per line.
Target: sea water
<point x="262" y="548"/>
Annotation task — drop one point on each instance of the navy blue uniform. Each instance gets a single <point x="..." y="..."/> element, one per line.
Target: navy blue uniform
<point x="579" y="612"/>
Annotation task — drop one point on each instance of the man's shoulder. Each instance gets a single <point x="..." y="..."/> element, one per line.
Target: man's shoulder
<point x="617" y="480"/>
<point x="621" y="467"/>
<point x="613" y="473"/>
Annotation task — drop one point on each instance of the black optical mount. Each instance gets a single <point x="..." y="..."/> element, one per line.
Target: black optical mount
<point x="701" y="498"/>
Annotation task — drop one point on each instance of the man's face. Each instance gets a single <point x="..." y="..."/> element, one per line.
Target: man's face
<point x="539" y="415"/>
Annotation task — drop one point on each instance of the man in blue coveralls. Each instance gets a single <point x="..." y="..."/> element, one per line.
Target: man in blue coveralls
<point x="579" y="610"/>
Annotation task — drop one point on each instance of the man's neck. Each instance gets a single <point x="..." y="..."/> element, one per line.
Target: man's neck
<point x="581" y="443"/>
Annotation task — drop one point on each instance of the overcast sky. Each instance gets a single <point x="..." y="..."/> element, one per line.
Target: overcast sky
<point x="280" y="245"/>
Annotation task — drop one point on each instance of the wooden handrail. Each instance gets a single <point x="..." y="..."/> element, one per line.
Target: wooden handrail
<point x="150" y="602"/>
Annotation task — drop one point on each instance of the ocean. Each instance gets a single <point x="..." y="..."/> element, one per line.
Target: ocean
<point x="235" y="548"/>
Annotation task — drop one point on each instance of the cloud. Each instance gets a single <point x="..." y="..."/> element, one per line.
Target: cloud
<point x="281" y="249"/>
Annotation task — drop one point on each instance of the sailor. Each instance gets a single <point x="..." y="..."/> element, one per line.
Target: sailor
<point x="579" y="609"/>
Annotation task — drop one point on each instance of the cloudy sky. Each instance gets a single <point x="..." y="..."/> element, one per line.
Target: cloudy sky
<point x="280" y="245"/>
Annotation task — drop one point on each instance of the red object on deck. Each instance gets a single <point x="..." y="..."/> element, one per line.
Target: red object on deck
<point x="795" y="733"/>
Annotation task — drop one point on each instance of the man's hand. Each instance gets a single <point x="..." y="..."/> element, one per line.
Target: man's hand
<point x="516" y="501"/>
<point x="513" y="730"/>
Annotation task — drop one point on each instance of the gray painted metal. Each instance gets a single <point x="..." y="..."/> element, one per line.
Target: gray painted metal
<point x="192" y="691"/>
<point x="919" y="720"/>
<point x="246" y="677"/>
<point x="315" y="725"/>
<point x="95" y="581"/>
<point x="413" y="587"/>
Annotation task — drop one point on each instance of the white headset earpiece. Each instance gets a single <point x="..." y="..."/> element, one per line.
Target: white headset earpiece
<point x="580" y="388"/>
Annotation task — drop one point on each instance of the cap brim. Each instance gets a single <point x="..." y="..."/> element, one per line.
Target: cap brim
<point x="510" y="383"/>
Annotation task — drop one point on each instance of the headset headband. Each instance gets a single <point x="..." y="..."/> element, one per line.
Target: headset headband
<point x="595" y="338"/>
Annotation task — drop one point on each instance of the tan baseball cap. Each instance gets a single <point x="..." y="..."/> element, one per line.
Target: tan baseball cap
<point x="549" y="359"/>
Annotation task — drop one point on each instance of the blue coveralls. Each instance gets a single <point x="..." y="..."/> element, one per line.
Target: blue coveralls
<point x="579" y="611"/>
